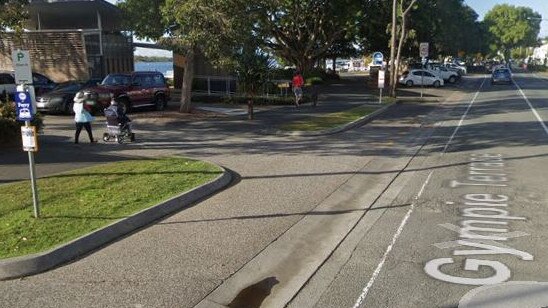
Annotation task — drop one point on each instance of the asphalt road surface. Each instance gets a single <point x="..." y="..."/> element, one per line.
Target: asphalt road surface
<point x="473" y="231"/>
<point x="434" y="204"/>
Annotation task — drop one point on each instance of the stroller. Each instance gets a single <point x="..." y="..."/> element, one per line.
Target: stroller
<point x="118" y="128"/>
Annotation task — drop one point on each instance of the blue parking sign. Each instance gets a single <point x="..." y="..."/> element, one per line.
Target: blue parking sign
<point x="23" y="103"/>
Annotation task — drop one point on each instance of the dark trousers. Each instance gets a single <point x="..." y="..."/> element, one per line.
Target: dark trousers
<point x="79" y="126"/>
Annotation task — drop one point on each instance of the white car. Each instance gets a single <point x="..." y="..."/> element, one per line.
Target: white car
<point x="458" y="68"/>
<point x="421" y="77"/>
<point x="445" y="73"/>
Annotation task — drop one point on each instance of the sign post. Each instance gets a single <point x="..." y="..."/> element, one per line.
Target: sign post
<point x="25" y="110"/>
<point x="423" y="49"/>
<point x="378" y="57"/>
<point x="381" y="84"/>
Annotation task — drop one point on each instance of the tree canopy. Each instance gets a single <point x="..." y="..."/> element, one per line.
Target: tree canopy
<point x="13" y="14"/>
<point x="511" y="27"/>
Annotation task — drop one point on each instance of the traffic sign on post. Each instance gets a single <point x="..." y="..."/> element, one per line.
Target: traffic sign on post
<point x="424" y="50"/>
<point x="21" y="67"/>
<point x="23" y="105"/>
<point x="378" y="57"/>
<point x="381" y="79"/>
<point x="23" y="72"/>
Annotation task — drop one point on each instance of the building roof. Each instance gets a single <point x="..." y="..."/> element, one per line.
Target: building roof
<point x="73" y="14"/>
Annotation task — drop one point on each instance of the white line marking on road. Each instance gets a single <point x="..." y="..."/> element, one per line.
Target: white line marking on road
<point x="363" y="295"/>
<point x="532" y="108"/>
<point x="462" y="118"/>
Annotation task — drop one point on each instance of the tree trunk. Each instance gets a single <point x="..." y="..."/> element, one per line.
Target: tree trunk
<point x="334" y="65"/>
<point x="393" y="47"/>
<point x="188" y="77"/>
<point x="393" y="86"/>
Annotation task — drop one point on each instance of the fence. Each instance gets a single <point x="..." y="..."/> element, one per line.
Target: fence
<point x="228" y="86"/>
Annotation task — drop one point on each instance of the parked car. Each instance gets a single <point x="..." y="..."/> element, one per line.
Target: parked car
<point x="446" y="74"/>
<point x="501" y="75"/>
<point x="133" y="90"/>
<point x="41" y="83"/>
<point x="461" y="69"/>
<point x="60" y="99"/>
<point x="421" y="77"/>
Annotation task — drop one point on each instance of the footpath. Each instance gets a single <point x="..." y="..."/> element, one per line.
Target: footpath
<point x="58" y="153"/>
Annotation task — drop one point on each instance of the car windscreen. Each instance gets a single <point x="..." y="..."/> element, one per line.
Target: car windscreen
<point x="116" y="80"/>
<point x="68" y="87"/>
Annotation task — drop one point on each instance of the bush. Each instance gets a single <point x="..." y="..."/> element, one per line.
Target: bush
<point x="10" y="128"/>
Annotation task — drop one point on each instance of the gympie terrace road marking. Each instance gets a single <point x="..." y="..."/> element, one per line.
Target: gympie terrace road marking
<point x="362" y="297"/>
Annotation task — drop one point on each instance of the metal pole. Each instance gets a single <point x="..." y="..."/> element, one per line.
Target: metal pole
<point x="380" y="97"/>
<point x="33" y="181"/>
<point x="422" y="80"/>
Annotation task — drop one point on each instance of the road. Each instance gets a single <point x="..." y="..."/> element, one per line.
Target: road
<point x="419" y="208"/>
<point x="473" y="233"/>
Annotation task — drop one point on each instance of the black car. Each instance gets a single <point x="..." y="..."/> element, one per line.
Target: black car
<point x="41" y="83"/>
<point x="60" y="99"/>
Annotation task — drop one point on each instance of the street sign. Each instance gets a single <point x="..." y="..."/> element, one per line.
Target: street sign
<point x="381" y="79"/>
<point x="23" y="104"/>
<point x="30" y="140"/>
<point x="423" y="50"/>
<point x="378" y="57"/>
<point x="21" y="66"/>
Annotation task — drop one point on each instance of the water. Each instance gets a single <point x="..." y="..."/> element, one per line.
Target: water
<point x="162" y="67"/>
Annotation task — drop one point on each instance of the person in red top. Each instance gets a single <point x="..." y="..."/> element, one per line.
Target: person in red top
<point x="298" y="83"/>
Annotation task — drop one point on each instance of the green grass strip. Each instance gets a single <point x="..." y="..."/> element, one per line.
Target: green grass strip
<point x="329" y="120"/>
<point x="76" y="203"/>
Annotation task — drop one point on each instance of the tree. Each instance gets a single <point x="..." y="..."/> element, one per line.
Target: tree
<point x="511" y="27"/>
<point x="302" y="32"/>
<point x="212" y="28"/>
<point x="404" y="8"/>
<point x="13" y="14"/>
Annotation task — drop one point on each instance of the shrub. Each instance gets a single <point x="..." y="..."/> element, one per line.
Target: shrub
<point x="10" y="128"/>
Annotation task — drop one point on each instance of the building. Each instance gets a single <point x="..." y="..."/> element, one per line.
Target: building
<point x="72" y="40"/>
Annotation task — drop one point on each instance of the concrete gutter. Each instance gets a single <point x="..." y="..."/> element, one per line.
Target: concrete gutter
<point x="356" y="123"/>
<point x="43" y="261"/>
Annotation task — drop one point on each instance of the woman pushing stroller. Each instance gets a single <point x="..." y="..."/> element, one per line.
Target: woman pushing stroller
<point x="118" y="123"/>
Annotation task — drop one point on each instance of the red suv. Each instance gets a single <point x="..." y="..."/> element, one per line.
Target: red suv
<point x="133" y="90"/>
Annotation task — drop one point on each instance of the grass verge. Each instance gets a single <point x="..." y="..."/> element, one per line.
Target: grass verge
<point x="76" y="203"/>
<point x="329" y="120"/>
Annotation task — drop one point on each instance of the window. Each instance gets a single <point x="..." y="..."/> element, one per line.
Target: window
<point x="39" y="79"/>
<point x="159" y="80"/>
<point x="6" y="79"/>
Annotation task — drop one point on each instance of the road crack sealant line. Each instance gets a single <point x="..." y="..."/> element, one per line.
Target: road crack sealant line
<point x="537" y="115"/>
<point x="365" y="291"/>
<point x="402" y="225"/>
<point x="427" y="138"/>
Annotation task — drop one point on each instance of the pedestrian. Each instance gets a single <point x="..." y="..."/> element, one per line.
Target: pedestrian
<point x="82" y="116"/>
<point x="298" y="83"/>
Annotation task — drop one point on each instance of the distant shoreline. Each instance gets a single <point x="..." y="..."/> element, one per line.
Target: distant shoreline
<point x="152" y="59"/>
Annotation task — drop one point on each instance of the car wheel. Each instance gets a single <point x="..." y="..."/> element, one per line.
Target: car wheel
<point x="125" y="105"/>
<point x="160" y="102"/>
<point x="452" y="79"/>
<point x="437" y="84"/>
<point x="106" y="137"/>
<point x="409" y="83"/>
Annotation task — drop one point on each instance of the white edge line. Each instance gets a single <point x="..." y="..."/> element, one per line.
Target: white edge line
<point x="363" y="295"/>
<point x="532" y="108"/>
<point x="462" y="118"/>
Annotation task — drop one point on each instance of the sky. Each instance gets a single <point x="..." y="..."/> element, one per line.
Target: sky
<point x="480" y="6"/>
<point x="540" y="6"/>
